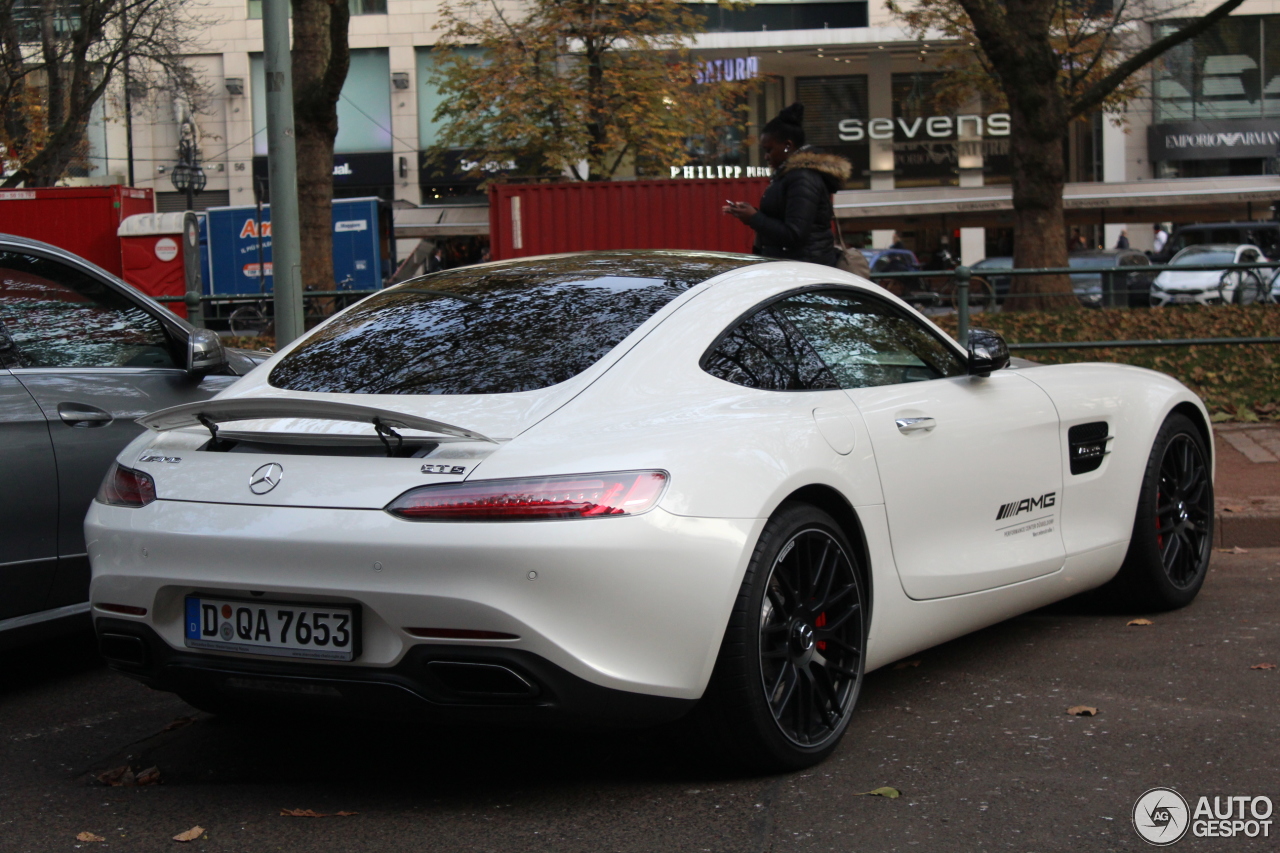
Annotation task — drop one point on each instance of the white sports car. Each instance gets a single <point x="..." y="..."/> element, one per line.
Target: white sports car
<point x="608" y="488"/>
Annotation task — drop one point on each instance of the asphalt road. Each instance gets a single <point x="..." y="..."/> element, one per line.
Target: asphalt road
<point x="976" y="736"/>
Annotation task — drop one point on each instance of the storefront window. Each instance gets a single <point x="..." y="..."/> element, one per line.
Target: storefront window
<point x="1223" y="73"/>
<point x="919" y="161"/>
<point x="829" y="101"/>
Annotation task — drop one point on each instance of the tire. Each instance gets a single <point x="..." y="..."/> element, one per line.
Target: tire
<point x="248" y="320"/>
<point x="982" y="297"/>
<point x="1172" y="539"/>
<point x="1248" y="288"/>
<point x="792" y="660"/>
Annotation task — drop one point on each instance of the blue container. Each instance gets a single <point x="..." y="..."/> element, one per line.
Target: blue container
<point x="229" y="238"/>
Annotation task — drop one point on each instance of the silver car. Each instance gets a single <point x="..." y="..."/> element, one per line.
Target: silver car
<point x="82" y="354"/>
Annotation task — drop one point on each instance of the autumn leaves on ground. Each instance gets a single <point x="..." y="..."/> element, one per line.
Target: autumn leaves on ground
<point x="1237" y="382"/>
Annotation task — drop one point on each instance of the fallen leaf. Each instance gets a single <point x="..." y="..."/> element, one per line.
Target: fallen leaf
<point x="903" y="664"/>
<point x="150" y="776"/>
<point x="89" y="836"/>
<point x="118" y="777"/>
<point x="346" y="814"/>
<point x="886" y="792"/>
<point x="1139" y="622"/>
<point x="179" y="723"/>
<point x="1263" y="666"/>
<point x="190" y="835"/>
<point x="1083" y="711"/>
<point x="1239" y="550"/>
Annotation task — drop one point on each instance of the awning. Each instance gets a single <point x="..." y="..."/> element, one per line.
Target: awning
<point x="1185" y="199"/>
<point x="441" y="220"/>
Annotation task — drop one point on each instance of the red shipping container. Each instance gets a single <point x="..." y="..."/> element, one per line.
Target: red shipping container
<point x="82" y="220"/>
<point x="541" y="219"/>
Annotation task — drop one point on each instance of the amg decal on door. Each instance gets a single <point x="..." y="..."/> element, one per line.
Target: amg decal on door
<point x="1009" y="510"/>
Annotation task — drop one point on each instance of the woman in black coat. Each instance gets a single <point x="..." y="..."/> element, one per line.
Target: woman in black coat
<point x="794" y="218"/>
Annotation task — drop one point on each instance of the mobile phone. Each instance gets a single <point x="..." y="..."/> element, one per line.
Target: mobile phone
<point x="726" y="201"/>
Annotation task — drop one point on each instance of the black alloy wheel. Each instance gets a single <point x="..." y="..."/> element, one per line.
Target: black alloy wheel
<point x="1184" y="511"/>
<point x="1172" y="538"/>
<point x="793" y="655"/>
<point x="811" y="637"/>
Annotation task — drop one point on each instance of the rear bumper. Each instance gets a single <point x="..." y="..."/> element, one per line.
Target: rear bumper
<point x="636" y="604"/>
<point x="461" y="684"/>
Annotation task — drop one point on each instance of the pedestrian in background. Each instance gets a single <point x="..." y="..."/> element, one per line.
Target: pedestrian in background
<point x="1123" y="242"/>
<point x="794" y="218"/>
<point x="1161" y="237"/>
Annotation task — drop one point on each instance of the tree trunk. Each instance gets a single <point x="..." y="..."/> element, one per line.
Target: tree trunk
<point x="1040" y="238"/>
<point x="320" y="59"/>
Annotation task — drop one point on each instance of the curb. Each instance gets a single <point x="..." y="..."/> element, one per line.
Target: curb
<point x="1235" y="530"/>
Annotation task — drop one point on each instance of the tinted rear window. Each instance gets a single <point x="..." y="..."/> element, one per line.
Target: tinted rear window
<point x="497" y="328"/>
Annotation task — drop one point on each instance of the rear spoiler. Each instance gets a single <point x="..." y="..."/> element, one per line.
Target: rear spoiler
<point x="209" y="413"/>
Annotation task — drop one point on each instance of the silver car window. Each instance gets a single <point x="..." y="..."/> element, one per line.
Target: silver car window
<point x="57" y="316"/>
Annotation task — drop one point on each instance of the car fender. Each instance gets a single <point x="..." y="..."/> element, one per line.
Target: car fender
<point x="1098" y="506"/>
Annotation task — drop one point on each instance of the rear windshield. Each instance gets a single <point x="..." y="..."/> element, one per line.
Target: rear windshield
<point x="494" y="329"/>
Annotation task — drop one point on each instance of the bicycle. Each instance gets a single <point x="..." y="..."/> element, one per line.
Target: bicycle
<point x="1246" y="288"/>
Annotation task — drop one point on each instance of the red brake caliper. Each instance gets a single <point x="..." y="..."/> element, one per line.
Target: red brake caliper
<point x="818" y="623"/>
<point x="1159" y="535"/>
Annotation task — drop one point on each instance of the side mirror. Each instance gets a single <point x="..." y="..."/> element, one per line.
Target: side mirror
<point x="987" y="352"/>
<point x="204" y="352"/>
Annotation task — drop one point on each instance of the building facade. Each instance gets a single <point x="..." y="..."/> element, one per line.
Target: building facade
<point x="1212" y="112"/>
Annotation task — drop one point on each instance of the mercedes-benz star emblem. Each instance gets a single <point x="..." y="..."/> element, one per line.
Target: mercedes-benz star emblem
<point x="266" y="478"/>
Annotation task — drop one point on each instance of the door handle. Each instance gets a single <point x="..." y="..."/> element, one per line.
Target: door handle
<point x="906" y="425"/>
<point x="82" y="417"/>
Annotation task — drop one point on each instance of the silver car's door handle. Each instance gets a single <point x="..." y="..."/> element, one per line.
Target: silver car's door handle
<point x="80" y="415"/>
<point x="906" y="425"/>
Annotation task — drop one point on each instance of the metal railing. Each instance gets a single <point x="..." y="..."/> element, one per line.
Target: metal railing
<point x="961" y="278"/>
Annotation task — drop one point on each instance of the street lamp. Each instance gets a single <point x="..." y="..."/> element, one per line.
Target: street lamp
<point x="187" y="176"/>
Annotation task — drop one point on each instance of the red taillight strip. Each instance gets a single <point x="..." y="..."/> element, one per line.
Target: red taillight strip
<point x="534" y="498"/>
<point x="458" y="634"/>
<point x="126" y="609"/>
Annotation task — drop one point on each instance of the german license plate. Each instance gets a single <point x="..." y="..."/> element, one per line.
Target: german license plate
<point x="315" y="631"/>
<point x="1180" y="299"/>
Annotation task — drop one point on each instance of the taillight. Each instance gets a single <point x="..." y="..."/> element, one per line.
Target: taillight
<point x="534" y="498"/>
<point x="127" y="487"/>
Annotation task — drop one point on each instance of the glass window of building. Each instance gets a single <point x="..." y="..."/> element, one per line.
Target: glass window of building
<point x="1229" y="71"/>
<point x="358" y="7"/>
<point x="773" y="15"/>
<point x="835" y="118"/>
<point x="364" y="108"/>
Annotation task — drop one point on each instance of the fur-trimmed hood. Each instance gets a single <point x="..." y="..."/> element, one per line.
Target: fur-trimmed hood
<point x="833" y="168"/>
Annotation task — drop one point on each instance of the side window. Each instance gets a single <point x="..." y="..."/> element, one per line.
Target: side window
<point x="766" y="352"/>
<point x="57" y="316"/>
<point x="867" y="343"/>
<point x="1248" y="256"/>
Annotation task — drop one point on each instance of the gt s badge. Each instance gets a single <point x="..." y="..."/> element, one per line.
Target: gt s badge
<point x="152" y="457"/>
<point x="1027" y="505"/>
<point x="444" y="469"/>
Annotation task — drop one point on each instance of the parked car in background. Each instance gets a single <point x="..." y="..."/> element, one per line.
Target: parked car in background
<point x="1213" y="286"/>
<point x="82" y="354"/>
<point x="1095" y="287"/>
<point x="1130" y="286"/>
<point x="1264" y="235"/>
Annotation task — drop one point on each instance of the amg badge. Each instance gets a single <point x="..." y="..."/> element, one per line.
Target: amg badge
<point x="1027" y="505"/>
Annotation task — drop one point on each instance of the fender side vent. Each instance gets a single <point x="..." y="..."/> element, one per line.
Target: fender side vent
<point x="1088" y="445"/>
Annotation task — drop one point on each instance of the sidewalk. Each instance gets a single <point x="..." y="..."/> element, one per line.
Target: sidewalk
<point x="1247" y="486"/>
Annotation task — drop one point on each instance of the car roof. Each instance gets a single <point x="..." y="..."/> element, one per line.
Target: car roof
<point x="1217" y="247"/>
